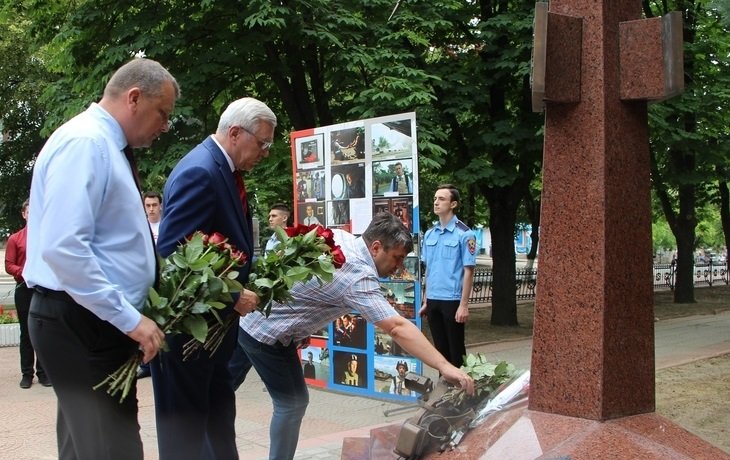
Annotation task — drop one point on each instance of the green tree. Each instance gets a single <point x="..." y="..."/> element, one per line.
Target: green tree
<point x="321" y="62"/>
<point x="685" y="131"/>
<point x="22" y="79"/>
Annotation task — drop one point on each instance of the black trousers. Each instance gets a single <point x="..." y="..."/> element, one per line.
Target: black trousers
<point x="79" y="350"/>
<point x="29" y="365"/>
<point x="448" y="335"/>
<point x="195" y="401"/>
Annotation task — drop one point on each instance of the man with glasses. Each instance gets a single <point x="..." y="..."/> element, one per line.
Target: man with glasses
<point x="91" y="259"/>
<point x="195" y="404"/>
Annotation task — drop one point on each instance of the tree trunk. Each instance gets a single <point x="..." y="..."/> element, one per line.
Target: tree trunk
<point x="725" y="216"/>
<point x="502" y="217"/>
<point x="684" y="232"/>
<point x="533" y="212"/>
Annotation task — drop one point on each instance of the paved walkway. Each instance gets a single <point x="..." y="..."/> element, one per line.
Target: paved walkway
<point x="28" y="416"/>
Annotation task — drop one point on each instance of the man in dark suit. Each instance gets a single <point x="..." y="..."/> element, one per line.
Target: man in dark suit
<point x="194" y="400"/>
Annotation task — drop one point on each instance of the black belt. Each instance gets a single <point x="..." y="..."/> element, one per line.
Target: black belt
<point x="56" y="295"/>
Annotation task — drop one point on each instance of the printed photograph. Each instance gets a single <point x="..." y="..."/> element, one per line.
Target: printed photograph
<point x="400" y="296"/>
<point x="348" y="181"/>
<point x="339" y="213"/>
<point x="393" y="177"/>
<point x="315" y="362"/>
<point x="385" y="345"/>
<point x="311" y="213"/>
<point x="390" y="375"/>
<point x="350" y="369"/>
<point x="310" y="151"/>
<point x="350" y="331"/>
<point x="347" y="145"/>
<point x="392" y="139"/>
<point x="310" y="185"/>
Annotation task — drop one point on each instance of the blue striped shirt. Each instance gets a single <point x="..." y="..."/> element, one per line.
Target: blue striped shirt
<point x="354" y="287"/>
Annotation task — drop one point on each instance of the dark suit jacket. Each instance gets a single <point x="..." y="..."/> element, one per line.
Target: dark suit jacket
<point x="195" y="404"/>
<point x="201" y="194"/>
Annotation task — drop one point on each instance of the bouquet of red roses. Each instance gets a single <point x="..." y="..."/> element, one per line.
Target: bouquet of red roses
<point x="196" y="281"/>
<point x="303" y="252"/>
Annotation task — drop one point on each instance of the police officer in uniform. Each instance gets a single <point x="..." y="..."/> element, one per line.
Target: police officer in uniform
<point x="449" y="253"/>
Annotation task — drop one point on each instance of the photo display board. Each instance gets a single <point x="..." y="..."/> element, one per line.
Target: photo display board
<point x="344" y="174"/>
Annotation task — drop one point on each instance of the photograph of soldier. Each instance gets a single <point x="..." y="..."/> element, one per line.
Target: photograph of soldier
<point x="390" y="372"/>
<point x="351" y="369"/>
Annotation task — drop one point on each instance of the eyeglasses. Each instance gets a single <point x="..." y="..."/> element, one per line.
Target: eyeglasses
<point x="263" y="145"/>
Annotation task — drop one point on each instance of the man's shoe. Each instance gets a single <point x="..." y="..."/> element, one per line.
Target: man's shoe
<point x="44" y="381"/>
<point x="143" y="372"/>
<point x="26" y="381"/>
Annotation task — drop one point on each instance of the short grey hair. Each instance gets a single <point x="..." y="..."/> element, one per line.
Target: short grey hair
<point x="246" y="112"/>
<point x="145" y="74"/>
<point x="389" y="230"/>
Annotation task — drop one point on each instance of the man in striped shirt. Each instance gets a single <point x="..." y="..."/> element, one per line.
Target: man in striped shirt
<point x="270" y="344"/>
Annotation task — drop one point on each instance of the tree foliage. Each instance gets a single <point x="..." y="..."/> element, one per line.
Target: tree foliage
<point x="689" y="157"/>
<point x="22" y="79"/>
<point x="462" y="66"/>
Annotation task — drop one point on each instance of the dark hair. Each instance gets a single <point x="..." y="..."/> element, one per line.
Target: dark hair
<point x="453" y="191"/>
<point x="389" y="230"/>
<point x="280" y="207"/>
<point x="152" y="195"/>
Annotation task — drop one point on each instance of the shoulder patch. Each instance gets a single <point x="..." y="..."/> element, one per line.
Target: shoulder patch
<point x="462" y="226"/>
<point x="471" y="244"/>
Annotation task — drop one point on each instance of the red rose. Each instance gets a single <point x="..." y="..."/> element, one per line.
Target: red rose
<point x="338" y="257"/>
<point x="217" y="239"/>
<point x="327" y="234"/>
<point x="239" y="257"/>
<point x="298" y="230"/>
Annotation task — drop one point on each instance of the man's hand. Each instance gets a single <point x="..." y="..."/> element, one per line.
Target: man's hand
<point x="247" y="302"/>
<point x="149" y="337"/>
<point x="458" y="377"/>
<point x="424" y="308"/>
<point x="462" y="313"/>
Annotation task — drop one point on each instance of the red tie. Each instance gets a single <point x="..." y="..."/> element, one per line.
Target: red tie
<point x="241" y="190"/>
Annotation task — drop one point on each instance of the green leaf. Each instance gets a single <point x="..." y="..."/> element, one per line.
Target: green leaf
<point x="199" y="307"/>
<point x="197" y="327"/>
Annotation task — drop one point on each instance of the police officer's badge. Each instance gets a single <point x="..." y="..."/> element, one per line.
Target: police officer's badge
<point x="472" y="245"/>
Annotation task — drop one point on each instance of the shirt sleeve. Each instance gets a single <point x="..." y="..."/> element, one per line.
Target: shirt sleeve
<point x="11" y="257"/>
<point x="366" y="298"/>
<point x="68" y="247"/>
<point x="469" y="248"/>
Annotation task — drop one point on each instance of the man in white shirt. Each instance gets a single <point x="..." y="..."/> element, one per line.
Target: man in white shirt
<point x="278" y="217"/>
<point x="153" y="208"/>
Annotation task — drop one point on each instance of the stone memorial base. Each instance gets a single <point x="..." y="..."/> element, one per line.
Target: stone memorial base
<point x="522" y="434"/>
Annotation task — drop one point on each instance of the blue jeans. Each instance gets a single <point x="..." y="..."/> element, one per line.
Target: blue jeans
<point x="280" y="370"/>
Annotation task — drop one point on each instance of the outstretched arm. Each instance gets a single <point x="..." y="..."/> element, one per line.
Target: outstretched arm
<point x="407" y="335"/>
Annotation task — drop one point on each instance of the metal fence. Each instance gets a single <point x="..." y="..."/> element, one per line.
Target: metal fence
<point x="664" y="278"/>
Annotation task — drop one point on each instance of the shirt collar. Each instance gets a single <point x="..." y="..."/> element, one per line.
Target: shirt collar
<point x="225" y="154"/>
<point x="116" y="131"/>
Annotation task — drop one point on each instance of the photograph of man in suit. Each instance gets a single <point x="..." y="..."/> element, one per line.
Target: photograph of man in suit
<point x="195" y="404"/>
